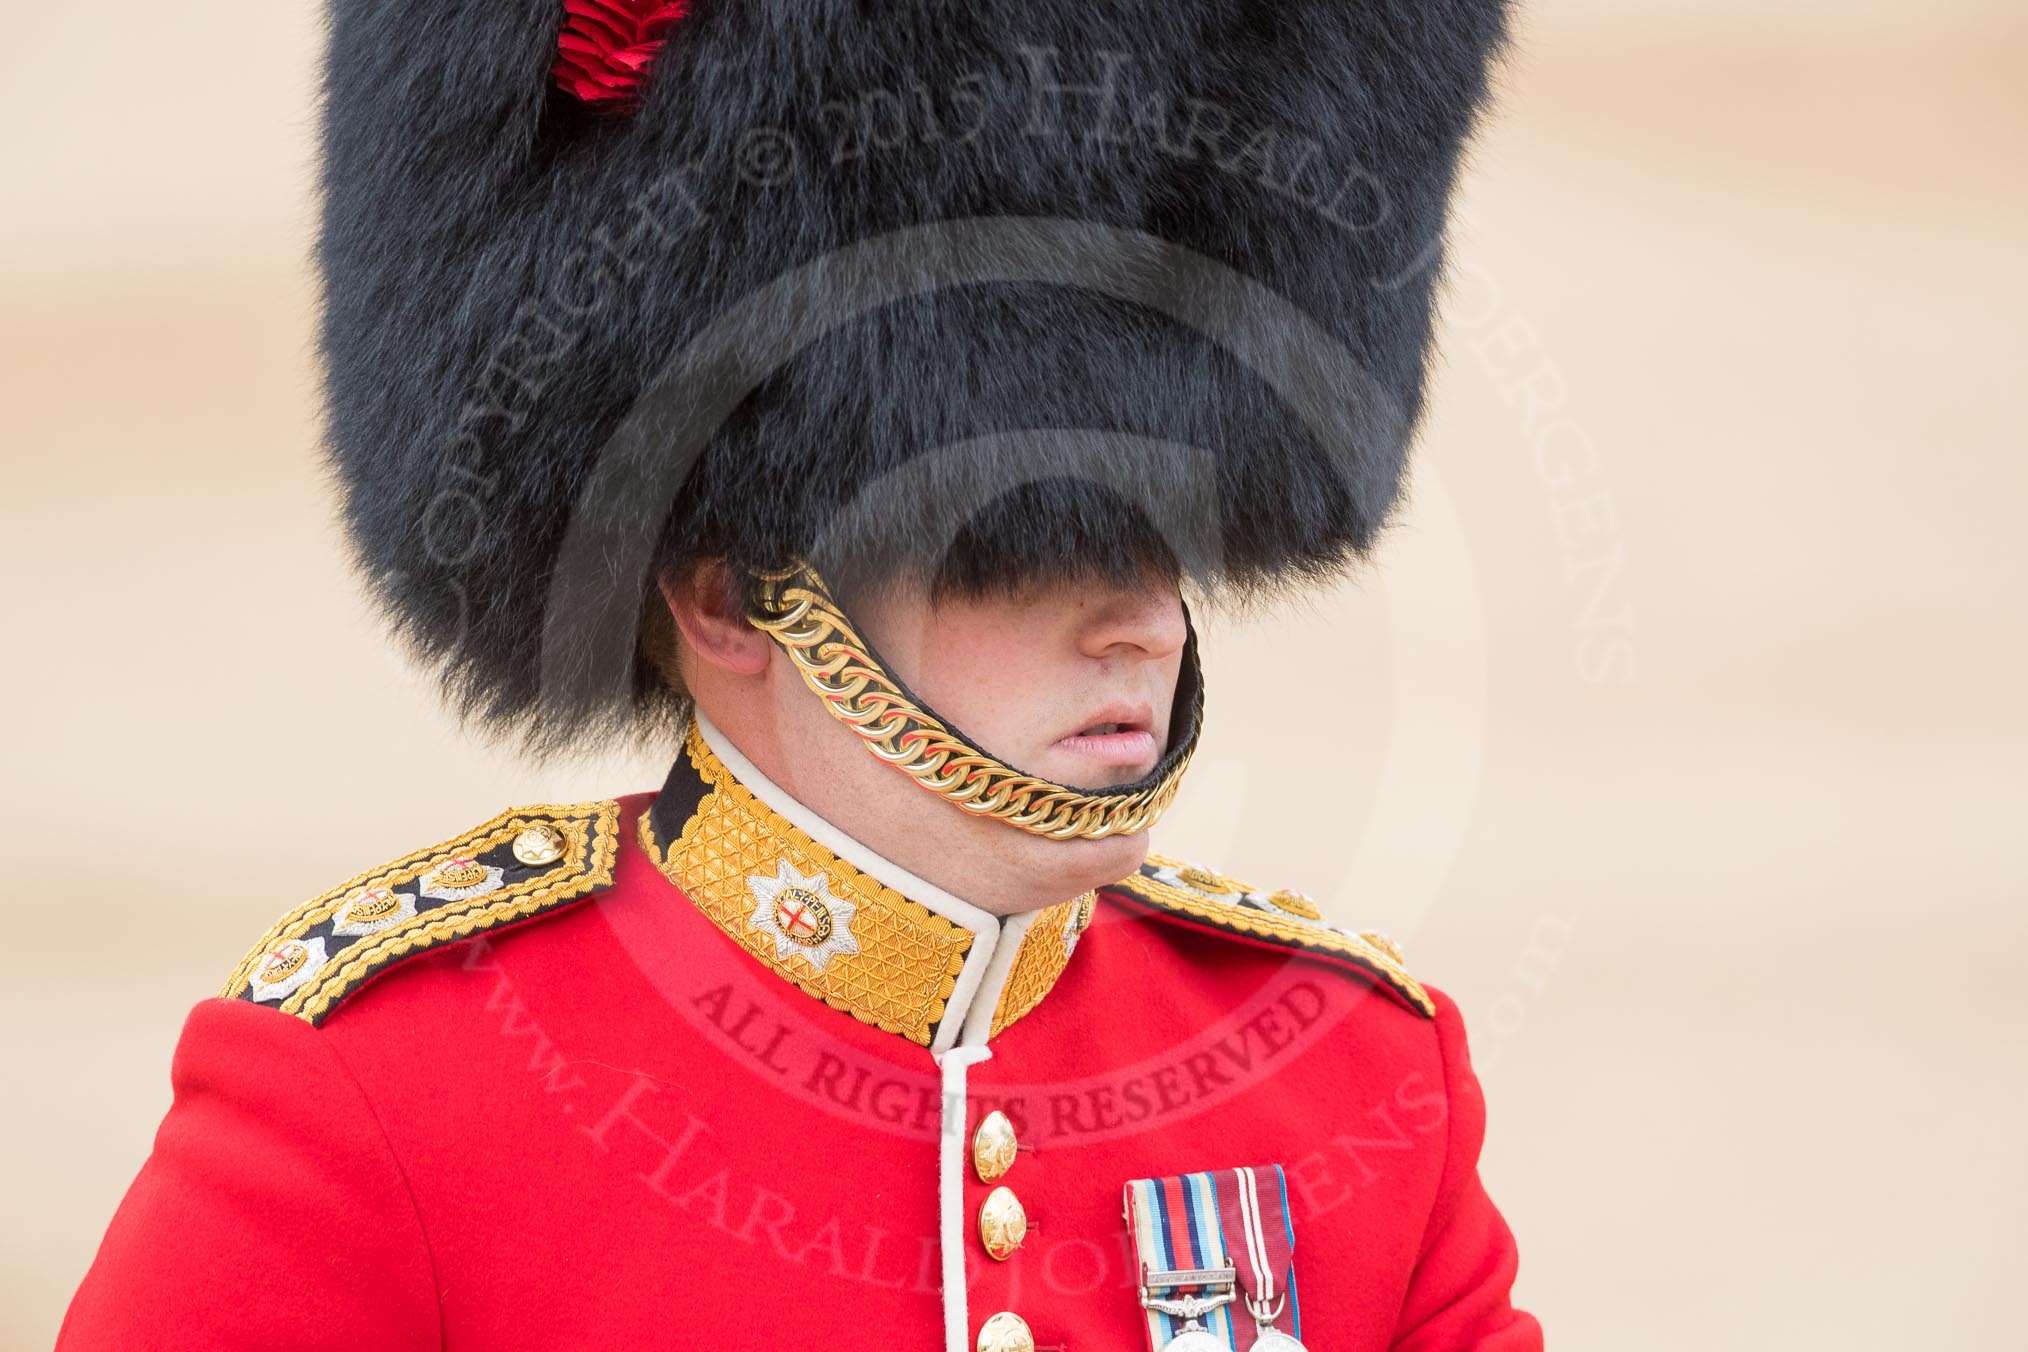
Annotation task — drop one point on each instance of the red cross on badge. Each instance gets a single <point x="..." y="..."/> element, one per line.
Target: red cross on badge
<point x="801" y="916"/>
<point x="798" y="916"/>
<point x="282" y="960"/>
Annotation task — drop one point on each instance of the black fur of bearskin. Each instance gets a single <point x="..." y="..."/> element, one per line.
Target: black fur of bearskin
<point x="991" y="292"/>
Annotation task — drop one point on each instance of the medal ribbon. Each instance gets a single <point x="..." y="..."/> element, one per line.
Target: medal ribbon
<point x="1253" y="1210"/>
<point x="1175" y="1225"/>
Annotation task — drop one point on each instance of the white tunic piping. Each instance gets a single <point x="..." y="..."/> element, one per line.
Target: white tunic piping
<point x="951" y="1191"/>
<point x="968" y="1015"/>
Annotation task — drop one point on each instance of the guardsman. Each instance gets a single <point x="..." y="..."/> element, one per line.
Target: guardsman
<point x="842" y="398"/>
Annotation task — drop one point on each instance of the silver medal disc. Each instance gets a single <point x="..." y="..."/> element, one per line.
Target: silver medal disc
<point x="1196" y="1340"/>
<point x="1274" y="1340"/>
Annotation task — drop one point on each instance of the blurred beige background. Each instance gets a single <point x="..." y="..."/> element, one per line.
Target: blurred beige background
<point x="1681" y="735"/>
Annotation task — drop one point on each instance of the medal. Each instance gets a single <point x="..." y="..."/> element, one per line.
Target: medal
<point x="1216" y="1251"/>
<point x="1193" y="1336"/>
<point x="1274" y="1340"/>
<point x="1186" y="1281"/>
<point x="1253" y="1214"/>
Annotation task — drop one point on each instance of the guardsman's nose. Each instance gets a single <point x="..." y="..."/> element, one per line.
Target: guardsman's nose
<point x="1144" y="621"/>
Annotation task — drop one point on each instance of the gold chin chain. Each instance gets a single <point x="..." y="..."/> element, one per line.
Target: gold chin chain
<point x="796" y="610"/>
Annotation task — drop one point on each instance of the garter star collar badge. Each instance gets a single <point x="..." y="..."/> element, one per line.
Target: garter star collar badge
<point x="460" y="878"/>
<point x="286" y="966"/>
<point x="372" y="909"/>
<point x="802" y="915"/>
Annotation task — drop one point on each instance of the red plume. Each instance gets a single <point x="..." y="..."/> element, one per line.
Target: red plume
<point x="607" y="45"/>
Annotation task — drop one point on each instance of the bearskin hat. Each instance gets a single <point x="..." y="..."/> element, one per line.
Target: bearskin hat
<point x="992" y="292"/>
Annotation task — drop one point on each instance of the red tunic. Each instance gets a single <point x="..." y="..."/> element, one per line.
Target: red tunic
<point x="605" y="1118"/>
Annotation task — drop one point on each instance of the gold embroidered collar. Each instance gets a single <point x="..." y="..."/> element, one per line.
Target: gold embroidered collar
<point x="922" y="964"/>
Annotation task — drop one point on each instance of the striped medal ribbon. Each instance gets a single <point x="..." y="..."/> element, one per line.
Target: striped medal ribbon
<point x="1253" y="1211"/>
<point x="1187" y="1282"/>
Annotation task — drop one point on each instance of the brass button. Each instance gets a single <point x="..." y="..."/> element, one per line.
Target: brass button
<point x="1003" y="1223"/>
<point x="1006" y="1332"/>
<point x="993" y="1147"/>
<point x="538" y="845"/>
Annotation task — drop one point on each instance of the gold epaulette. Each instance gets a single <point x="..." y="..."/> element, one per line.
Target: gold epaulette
<point x="519" y="865"/>
<point x="1280" y="918"/>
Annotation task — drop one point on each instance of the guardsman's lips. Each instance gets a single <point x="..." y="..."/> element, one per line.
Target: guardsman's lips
<point x="1116" y="736"/>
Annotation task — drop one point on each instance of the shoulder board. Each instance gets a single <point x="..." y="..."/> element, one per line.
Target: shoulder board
<point x="522" y="864"/>
<point x="1276" y="918"/>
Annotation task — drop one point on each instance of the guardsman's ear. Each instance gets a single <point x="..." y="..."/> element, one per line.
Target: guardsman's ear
<point x="707" y="609"/>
